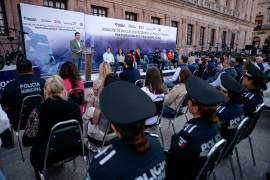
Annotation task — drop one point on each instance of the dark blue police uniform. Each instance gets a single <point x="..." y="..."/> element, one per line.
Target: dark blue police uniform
<point x="130" y="74"/>
<point x="18" y="89"/>
<point x="189" y="148"/>
<point x="230" y="116"/>
<point x="251" y="99"/>
<point x="121" y="161"/>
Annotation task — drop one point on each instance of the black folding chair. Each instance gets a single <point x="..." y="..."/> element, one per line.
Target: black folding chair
<point x="196" y="72"/>
<point x="204" y="74"/>
<point x="77" y="95"/>
<point x="99" y="145"/>
<point x="181" y="110"/>
<point x="250" y="127"/>
<point x="28" y="104"/>
<point x="232" y="146"/>
<point x="139" y="83"/>
<point x="213" y="158"/>
<point x="65" y="144"/>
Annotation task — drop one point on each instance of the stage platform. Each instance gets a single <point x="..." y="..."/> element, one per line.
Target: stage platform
<point x="94" y="76"/>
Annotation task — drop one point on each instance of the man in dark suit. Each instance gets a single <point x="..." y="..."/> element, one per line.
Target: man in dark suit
<point x="76" y="47"/>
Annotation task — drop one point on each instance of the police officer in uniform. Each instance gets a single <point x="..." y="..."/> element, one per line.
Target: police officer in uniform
<point x="135" y="155"/>
<point x="230" y="113"/>
<point x="24" y="85"/>
<point x="189" y="148"/>
<point x="254" y="81"/>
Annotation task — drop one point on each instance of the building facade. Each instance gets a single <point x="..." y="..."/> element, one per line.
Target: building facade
<point x="261" y="35"/>
<point x="200" y="23"/>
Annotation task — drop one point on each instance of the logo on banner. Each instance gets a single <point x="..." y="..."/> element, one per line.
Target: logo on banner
<point x="45" y="20"/>
<point x="119" y="25"/>
<point x="132" y="26"/>
<point x="57" y="21"/>
<point x="29" y="19"/>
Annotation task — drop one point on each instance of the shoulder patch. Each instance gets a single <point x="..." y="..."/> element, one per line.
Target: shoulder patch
<point x="220" y="109"/>
<point x="151" y="134"/>
<point x="190" y="128"/>
<point x="182" y="142"/>
<point x="107" y="157"/>
<point x="104" y="151"/>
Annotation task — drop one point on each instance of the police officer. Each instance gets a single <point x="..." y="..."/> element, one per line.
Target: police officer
<point x="230" y="113"/>
<point x="189" y="148"/>
<point x="254" y="81"/>
<point x="135" y="155"/>
<point x="26" y="84"/>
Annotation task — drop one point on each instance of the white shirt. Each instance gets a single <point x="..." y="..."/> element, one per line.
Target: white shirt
<point x="108" y="57"/>
<point x="79" y="44"/>
<point x="154" y="97"/>
<point x="4" y="122"/>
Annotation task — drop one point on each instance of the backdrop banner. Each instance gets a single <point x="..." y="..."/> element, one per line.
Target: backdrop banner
<point x="102" y="32"/>
<point x="49" y="32"/>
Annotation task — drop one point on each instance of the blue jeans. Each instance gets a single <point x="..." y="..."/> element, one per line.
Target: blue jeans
<point x="169" y="84"/>
<point x="144" y="65"/>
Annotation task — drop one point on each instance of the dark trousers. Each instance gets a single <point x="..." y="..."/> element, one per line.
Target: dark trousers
<point x="7" y="139"/>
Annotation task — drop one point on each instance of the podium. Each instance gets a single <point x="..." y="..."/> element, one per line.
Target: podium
<point x="88" y="54"/>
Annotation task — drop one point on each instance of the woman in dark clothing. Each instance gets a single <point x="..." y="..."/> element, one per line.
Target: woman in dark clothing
<point x="53" y="110"/>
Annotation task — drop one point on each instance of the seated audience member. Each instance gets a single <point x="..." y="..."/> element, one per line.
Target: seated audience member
<point x="265" y="63"/>
<point x="175" y="96"/>
<point x="12" y="97"/>
<point x="253" y="61"/>
<point x="53" y="110"/>
<point x="164" y="58"/>
<point x="182" y="65"/>
<point x="212" y="64"/>
<point x="157" y="59"/>
<point x="131" y="54"/>
<point x="259" y="62"/>
<point x="4" y="122"/>
<point x="189" y="148"/>
<point x="120" y="57"/>
<point x="72" y="80"/>
<point x="129" y="73"/>
<point x="153" y="87"/>
<point x="171" y="58"/>
<point x="98" y="122"/>
<point x="192" y="65"/>
<point x="4" y="125"/>
<point x="254" y="81"/>
<point x="239" y="67"/>
<point x="228" y="67"/>
<point x="135" y="154"/>
<point x="140" y="59"/>
<point x="219" y="67"/>
<point x="230" y="113"/>
<point x="109" y="58"/>
<point x="92" y="97"/>
<point x="202" y="67"/>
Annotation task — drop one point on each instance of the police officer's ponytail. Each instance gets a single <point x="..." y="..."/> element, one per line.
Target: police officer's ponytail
<point x="209" y="113"/>
<point x="134" y="134"/>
